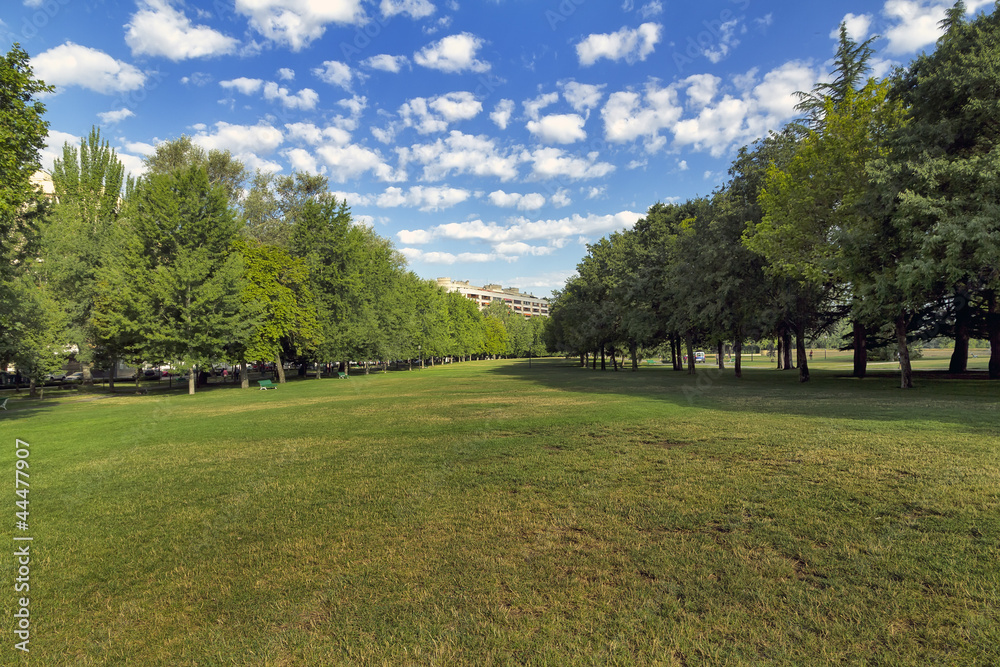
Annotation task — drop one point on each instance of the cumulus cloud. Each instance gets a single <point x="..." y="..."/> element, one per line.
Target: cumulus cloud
<point x="857" y="27"/>
<point x="417" y="9"/>
<point x="558" y="128"/>
<point x="502" y="112"/>
<point x="628" y="45"/>
<point x="334" y="73"/>
<point x="710" y="118"/>
<point x="460" y="153"/>
<point x="414" y="255"/>
<point x="306" y="99"/>
<point x="435" y="114"/>
<point x="453" y="54"/>
<point x="74" y="65"/>
<point x="533" y="107"/>
<point x="915" y="24"/>
<point x="114" y="117"/>
<point x="424" y="198"/>
<point x="314" y="135"/>
<point x="351" y="161"/>
<point x="286" y="74"/>
<point x="158" y="29"/>
<point x="556" y="163"/>
<point x="582" y="96"/>
<point x="298" y="23"/>
<point x="386" y="63"/>
<point x="529" y="202"/>
<point x="243" y="85"/>
<point x="521" y="230"/>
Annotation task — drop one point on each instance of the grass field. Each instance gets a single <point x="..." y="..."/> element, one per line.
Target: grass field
<point x="492" y="513"/>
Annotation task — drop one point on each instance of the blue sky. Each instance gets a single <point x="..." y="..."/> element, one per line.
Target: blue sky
<point x="489" y="140"/>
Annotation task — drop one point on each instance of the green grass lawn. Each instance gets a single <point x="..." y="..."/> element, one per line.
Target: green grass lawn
<point x="488" y="513"/>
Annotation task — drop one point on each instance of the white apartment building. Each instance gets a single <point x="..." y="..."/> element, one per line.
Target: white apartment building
<point x="521" y="303"/>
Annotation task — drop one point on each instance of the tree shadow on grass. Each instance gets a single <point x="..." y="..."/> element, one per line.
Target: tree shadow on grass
<point x="973" y="404"/>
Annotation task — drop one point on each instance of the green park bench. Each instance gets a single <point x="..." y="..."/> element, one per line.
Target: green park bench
<point x="266" y="384"/>
<point x="341" y="375"/>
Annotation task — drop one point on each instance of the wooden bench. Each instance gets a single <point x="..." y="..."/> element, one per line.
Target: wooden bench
<point x="266" y="384"/>
<point x="341" y="375"/>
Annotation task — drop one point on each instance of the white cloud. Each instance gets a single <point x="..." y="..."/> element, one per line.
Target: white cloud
<point x="246" y="142"/>
<point x="302" y="160"/>
<point x="426" y="198"/>
<point x="561" y="198"/>
<point x="306" y="99"/>
<point x="460" y="153"/>
<point x="414" y="255"/>
<point x="416" y="237"/>
<point x="334" y="73"/>
<point x="524" y="229"/>
<point x="353" y="198"/>
<point x="74" y="65"/>
<point x="453" y="54"/>
<point x="529" y="202"/>
<point x="533" y="107"/>
<point x="628" y="115"/>
<point x="628" y="45"/>
<point x="386" y="63"/>
<point x="298" y="23"/>
<point x="502" y="112"/>
<point x="351" y="161"/>
<point x="158" y="29"/>
<point x="311" y="134"/>
<point x="286" y="74"/>
<point x="582" y="96"/>
<point x="555" y="163"/>
<point x="113" y="117"/>
<point x="726" y="34"/>
<point x="702" y="89"/>
<point x="558" y="128"/>
<point x="857" y="27"/>
<point x="417" y="9"/>
<point x="435" y="114"/>
<point x="651" y="9"/>
<point x="243" y="84"/>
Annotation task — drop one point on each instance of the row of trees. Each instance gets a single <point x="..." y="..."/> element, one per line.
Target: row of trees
<point x="879" y="207"/>
<point x="198" y="262"/>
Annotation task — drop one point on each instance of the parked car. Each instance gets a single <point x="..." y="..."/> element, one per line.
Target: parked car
<point x="57" y="376"/>
<point x="699" y="357"/>
<point x="74" y="377"/>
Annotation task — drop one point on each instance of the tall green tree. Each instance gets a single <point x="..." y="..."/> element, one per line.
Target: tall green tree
<point x="79" y="241"/>
<point x="944" y="172"/>
<point x="22" y="207"/>
<point x="194" y="276"/>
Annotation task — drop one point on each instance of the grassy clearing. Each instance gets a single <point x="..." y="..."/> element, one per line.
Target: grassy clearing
<point x="491" y="513"/>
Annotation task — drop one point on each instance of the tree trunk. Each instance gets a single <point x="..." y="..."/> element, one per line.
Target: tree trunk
<point x="88" y="373"/>
<point x="786" y="344"/>
<point x="905" y="370"/>
<point x="604" y="361"/>
<point x="781" y="351"/>
<point x="111" y="374"/>
<point x="800" y="352"/>
<point x="583" y="359"/>
<point x="679" y="360"/>
<point x="963" y="316"/>
<point x="719" y="360"/>
<point x="738" y="354"/>
<point x="634" y="349"/>
<point x="279" y="368"/>
<point x="689" y="341"/>
<point x="860" y="350"/>
<point x="244" y="376"/>
<point x="32" y="388"/>
<point x="993" y="331"/>
<point x="192" y="378"/>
